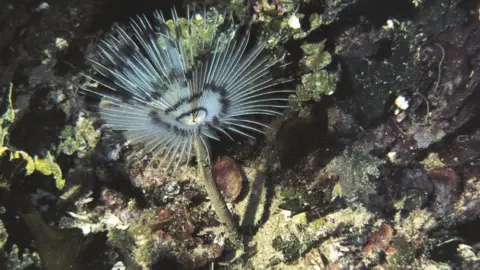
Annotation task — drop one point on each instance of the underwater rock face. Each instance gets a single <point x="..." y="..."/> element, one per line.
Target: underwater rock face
<point x="297" y="137"/>
<point x="376" y="166"/>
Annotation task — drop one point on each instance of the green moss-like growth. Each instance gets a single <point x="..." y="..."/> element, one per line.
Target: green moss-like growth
<point x="290" y="247"/>
<point x="315" y="21"/>
<point x="7" y="117"/>
<point x="316" y="58"/>
<point x="18" y="259"/>
<point x="69" y="145"/>
<point x="79" y="139"/>
<point x="282" y="22"/>
<point x="200" y="30"/>
<point x="319" y="82"/>
<point x="315" y="85"/>
<point x="3" y="235"/>
<point x="299" y="199"/>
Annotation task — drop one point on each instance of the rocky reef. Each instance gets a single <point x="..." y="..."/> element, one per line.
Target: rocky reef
<point x="375" y="165"/>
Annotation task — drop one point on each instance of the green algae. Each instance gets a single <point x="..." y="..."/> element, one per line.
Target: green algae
<point x="3" y="235"/>
<point x="197" y="32"/>
<point x="46" y="166"/>
<point x="316" y="58"/>
<point x="18" y="259"/>
<point x="289" y="246"/>
<point x="79" y="139"/>
<point x="8" y="116"/>
<point x="319" y="81"/>
<point x="299" y="199"/>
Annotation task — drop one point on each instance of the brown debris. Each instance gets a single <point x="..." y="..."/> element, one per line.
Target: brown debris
<point x="379" y="240"/>
<point x="175" y="223"/>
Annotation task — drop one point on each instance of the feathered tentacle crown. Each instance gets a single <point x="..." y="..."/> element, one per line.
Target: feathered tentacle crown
<point x="172" y="82"/>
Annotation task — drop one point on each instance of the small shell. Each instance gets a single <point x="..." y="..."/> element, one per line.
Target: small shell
<point x="401" y="102"/>
<point x="229" y="177"/>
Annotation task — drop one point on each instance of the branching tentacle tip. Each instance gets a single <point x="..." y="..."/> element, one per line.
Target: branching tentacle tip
<point x="170" y="83"/>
